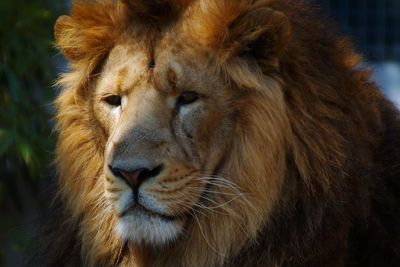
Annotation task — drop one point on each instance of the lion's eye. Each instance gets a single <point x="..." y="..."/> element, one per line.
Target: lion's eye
<point x="113" y="100"/>
<point x="187" y="98"/>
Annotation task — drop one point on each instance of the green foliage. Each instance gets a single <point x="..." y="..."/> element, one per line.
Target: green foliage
<point x="27" y="72"/>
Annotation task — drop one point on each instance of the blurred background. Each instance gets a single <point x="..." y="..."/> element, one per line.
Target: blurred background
<point x="374" y="26"/>
<point x="29" y="65"/>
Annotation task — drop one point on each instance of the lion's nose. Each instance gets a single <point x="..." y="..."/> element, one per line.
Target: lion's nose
<point x="136" y="177"/>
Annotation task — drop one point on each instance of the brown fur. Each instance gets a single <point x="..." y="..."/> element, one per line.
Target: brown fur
<point x="308" y="150"/>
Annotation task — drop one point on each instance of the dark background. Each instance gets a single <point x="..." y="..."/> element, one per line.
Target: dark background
<point x="29" y="65"/>
<point x="374" y="26"/>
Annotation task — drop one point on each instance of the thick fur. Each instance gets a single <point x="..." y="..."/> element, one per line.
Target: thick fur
<point x="314" y="151"/>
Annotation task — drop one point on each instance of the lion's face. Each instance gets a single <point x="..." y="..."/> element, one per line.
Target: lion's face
<point x="168" y="124"/>
<point x="184" y="130"/>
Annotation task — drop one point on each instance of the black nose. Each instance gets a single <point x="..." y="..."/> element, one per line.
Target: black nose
<point x="136" y="177"/>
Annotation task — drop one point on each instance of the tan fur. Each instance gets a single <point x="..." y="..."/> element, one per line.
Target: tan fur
<point x="251" y="128"/>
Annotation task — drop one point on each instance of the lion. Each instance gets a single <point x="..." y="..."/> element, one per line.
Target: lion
<point x="219" y="133"/>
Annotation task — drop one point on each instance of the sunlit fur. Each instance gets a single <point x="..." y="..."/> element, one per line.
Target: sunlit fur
<point x="297" y="168"/>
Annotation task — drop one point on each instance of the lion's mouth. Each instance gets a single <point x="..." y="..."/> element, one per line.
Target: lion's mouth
<point x="139" y="209"/>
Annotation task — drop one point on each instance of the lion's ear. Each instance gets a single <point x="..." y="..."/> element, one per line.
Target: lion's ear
<point x="238" y="28"/>
<point x="260" y="33"/>
<point x="68" y="38"/>
<point x="88" y="33"/>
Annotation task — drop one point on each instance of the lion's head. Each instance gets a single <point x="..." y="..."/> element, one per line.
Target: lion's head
<point x="176" y="135"/>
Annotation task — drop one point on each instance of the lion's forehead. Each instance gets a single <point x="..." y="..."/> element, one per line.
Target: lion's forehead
<point x="126" y="64"/>
<point x="131" y="65"/>
<point x="127" y="53"/>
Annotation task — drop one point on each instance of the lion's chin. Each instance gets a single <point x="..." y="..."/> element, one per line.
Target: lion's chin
<point x="141" y="226"/>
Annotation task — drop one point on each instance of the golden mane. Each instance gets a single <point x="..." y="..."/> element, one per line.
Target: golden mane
<point x="335" y="121"/>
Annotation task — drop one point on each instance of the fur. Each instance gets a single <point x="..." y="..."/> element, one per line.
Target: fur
<point x="314" y="146"/>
